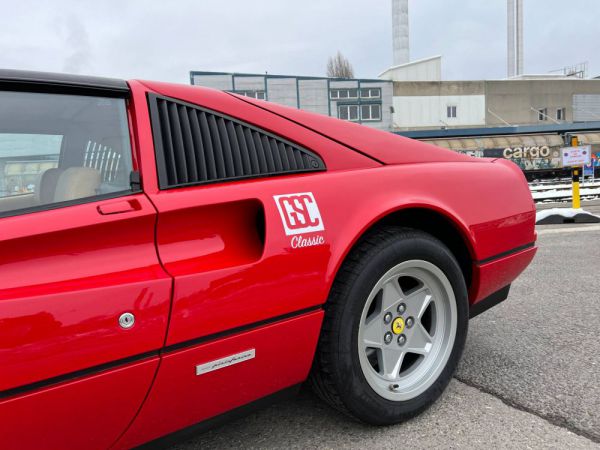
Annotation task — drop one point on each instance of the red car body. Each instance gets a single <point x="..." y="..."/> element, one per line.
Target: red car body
<point x="204" y="281"/>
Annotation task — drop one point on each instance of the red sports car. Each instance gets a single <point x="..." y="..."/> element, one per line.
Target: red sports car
<point x="172" y="255"/>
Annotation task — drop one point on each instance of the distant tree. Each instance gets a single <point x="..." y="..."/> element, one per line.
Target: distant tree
<point x="338" y="66"/>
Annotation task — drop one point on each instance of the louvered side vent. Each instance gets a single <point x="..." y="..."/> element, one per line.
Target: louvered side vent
<point x="195" y="145"/>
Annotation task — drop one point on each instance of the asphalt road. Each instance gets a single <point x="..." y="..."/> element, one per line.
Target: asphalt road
<point x="529" y="378"/>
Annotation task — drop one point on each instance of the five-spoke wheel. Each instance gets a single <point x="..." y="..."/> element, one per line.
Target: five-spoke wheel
<point x="394" y="329"/>
<point x="407" y="329"/>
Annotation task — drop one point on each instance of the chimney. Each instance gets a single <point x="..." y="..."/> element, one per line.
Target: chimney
<point x="400" y="32"/>
<point x="515" y="54"/>
<point x="510" y="31"/>
<point x="520" y="56"/>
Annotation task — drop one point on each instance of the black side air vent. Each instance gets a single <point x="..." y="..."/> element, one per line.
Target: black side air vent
<point x="194" y="146"/>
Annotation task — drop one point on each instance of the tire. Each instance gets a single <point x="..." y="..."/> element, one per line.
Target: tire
<point x="363" y="381"/>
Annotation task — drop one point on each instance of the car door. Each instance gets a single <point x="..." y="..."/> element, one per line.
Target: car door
<point x="83" y="300"/>
<point x="244" y="237"/>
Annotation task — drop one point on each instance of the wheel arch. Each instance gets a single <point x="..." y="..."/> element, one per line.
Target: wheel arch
<point x="430" y="219"/>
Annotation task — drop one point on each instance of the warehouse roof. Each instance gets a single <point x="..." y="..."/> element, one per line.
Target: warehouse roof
<point x="497" y="131"/>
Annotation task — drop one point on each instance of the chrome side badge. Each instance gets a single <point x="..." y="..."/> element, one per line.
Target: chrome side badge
<point x="225" y="362"/>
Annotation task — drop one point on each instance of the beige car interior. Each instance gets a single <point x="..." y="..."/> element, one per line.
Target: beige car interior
<point x="56" y="185"/>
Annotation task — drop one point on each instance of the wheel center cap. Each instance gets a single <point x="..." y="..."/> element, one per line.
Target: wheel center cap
<point x="398" y="325"/>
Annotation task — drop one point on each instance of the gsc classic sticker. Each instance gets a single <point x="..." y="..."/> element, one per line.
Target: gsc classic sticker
<point x="300" y="215"/>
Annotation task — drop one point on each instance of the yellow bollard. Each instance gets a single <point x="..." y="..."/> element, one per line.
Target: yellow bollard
<point x="576" y="198"/>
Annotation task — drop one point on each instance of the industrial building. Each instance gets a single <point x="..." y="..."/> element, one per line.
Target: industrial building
<point x="368" y="102"/>
<point x="492" y="103"/>
<point x="433" y="104"/>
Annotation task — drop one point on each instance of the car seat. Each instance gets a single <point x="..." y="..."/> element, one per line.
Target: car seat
<point x="77" y="182"/>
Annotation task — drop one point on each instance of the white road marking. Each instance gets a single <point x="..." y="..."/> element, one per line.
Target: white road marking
<point x="579" y="229"/>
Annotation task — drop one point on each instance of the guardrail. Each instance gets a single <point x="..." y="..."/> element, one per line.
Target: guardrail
<point x="562" y="192"/>
<point x="551" y="187"/>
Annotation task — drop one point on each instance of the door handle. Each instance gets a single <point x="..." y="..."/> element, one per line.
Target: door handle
<point x="119" y="207"/>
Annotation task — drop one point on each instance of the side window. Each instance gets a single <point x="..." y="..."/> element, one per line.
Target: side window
<point x="57" y="148"/>
<point x="194" y="145"/>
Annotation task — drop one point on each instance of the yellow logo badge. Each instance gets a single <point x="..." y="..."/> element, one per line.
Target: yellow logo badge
<point x="398" y="325"/>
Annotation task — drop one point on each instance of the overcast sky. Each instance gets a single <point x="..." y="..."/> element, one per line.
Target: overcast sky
<point x="166" y="39"/>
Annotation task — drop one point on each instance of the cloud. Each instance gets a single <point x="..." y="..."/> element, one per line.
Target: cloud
<point x="77" y="43"/>
<point x="165" y="40"/>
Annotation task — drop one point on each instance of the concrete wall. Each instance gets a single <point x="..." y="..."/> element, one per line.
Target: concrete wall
<point x="431" y="111"/>
<point x="586" y="107"/>
<point x="222" y="82"/>
<point x="282" y="91"/>
<point x="387" y="96"/>
<point x="314" y="96"/>
<point x="423" y="104"/>
<point x="249" y="83"/>
<point x="419" y="104"/>
<point x="513" y="100"/>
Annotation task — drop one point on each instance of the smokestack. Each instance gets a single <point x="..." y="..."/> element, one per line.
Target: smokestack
<point x="514" y="31"/>
<point x="510" y="30"/>
<point x="520" y="56"/>
<point x="400" y="32"/>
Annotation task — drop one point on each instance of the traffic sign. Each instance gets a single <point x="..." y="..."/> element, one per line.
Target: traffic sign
<point x="576" y="156"/>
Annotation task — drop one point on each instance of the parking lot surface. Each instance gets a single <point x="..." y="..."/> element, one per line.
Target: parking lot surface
<point x="529" y="378"/>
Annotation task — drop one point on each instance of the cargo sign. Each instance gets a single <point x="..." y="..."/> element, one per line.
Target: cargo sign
<point x="576" y="156"/>
<point x="527" y="157"/>
<point x="527" y="152"/>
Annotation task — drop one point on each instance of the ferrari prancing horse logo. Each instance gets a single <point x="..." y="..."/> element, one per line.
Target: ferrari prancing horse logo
<point x="398" y="325"/>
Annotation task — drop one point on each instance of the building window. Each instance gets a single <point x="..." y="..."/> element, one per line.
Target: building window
<point x="351" y="93"/>
<point x="365" y="113"/>
<point x="561" y="114"/>
<point x="370" y="112"/>
<point x="542" y="114"/>
<point x="370" y="93"/>
<point x="337" y="94"/>
<point x="260" y="95"/>
<point x="451" y="112"/>
<point x="348" y="112"/>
